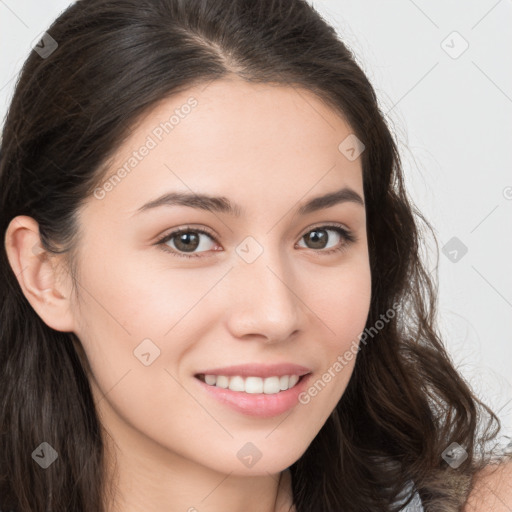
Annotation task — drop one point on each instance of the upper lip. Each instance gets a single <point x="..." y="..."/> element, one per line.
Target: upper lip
<point x="259" y="370"/>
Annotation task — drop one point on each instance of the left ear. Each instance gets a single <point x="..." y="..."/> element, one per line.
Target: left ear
<point x="36" y="270"/>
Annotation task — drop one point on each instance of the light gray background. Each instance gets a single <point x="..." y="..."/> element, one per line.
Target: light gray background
<point x="452" y="116"/>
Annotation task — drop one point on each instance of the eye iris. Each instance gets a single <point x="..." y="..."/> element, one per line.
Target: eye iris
<point x="184" y="238"/>
<point x="315" y="237"/>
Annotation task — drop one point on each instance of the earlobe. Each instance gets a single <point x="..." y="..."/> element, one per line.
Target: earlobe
<point x="36" y="272"/>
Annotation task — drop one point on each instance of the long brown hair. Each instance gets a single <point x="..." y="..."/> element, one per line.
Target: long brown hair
<point x="405" y="402"/>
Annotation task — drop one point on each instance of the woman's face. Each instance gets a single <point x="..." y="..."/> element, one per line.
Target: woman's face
<point x="265" y="289"/>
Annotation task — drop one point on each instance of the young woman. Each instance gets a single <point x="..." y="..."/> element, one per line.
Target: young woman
<point x="213" y="297"/>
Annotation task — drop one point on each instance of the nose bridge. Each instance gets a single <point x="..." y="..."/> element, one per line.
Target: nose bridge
<point x="265" y="301"/>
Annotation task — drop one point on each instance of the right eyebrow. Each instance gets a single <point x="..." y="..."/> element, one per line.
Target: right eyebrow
<point x="200" y="201"/>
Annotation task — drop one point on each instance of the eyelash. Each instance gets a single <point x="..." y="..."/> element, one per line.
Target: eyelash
<point x="347" y="235"/>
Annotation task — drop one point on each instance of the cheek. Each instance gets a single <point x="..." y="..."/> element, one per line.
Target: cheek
<point x="343" y="304"/>
<point x="131" y="299"/>
<point x="130" y="308"/>
<point x="343" y="309"/>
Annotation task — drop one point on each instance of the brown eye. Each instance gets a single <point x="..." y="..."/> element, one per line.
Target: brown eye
<point x="319" y="237"/>
<point x="185" y="241"/>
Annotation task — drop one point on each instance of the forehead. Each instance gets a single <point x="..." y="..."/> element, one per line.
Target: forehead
<point x="258" y="141"/>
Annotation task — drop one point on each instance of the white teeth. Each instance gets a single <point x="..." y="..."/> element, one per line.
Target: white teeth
<point x="271" y="386"/>
<point x="253" y="385"/>
<point x="293" y="380"/>
<point x="210" y="379"/>
<point x="268" y="386"/>
<point x="222" y="381"/>
<point x="236" y="384"/>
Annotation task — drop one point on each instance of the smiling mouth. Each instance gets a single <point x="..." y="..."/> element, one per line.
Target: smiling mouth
<point x="252" y="385"/>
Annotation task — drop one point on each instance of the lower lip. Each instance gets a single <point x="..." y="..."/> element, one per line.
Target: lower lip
<point x="258" y="404"/>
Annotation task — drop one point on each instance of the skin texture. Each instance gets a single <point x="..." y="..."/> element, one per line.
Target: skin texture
<point x="492" y="489"/>
<point x="269" y="149"/>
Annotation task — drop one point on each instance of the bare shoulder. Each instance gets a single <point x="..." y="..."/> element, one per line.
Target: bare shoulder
<point x="492" y="489"/>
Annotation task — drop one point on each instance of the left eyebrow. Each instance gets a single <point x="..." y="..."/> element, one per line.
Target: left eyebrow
<point x="222" y="204"/>
<point x="344" y="195"/>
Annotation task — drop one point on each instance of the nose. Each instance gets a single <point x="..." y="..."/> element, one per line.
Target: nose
<point x="264" y="300"/>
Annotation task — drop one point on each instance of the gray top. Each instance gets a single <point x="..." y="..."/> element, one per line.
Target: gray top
<point x="414" y="506"/>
